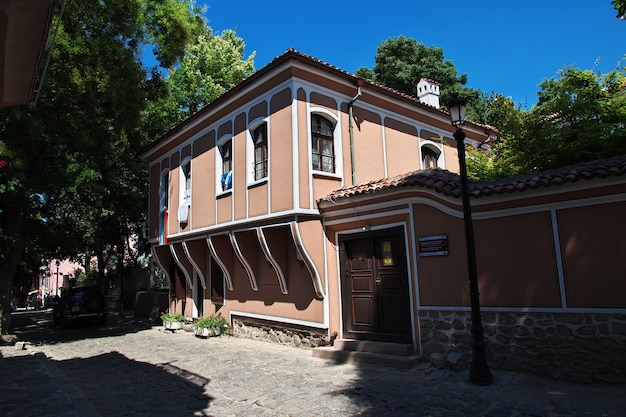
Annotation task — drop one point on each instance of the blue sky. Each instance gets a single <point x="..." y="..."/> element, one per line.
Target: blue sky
<point x="505" y="46"/>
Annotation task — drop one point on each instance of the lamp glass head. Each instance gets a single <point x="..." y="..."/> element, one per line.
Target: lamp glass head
<point x="456" y="107"/>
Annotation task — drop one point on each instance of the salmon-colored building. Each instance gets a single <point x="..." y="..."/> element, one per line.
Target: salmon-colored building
<point x="307" y="202"/>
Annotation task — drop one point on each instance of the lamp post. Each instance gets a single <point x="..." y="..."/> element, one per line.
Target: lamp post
<point x="479" y="372"/>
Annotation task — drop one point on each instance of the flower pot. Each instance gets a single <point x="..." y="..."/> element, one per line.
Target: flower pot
<point x="206" y="332"/>
<point x="173" y="325"/>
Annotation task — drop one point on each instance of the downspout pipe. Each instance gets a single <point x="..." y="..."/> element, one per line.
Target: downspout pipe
<point x="351" y="128"/>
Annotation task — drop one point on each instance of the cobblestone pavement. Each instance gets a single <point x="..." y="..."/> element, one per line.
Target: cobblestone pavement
<point x="132" y="368"/>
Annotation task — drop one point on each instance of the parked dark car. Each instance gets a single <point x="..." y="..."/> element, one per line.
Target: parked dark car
<point x="81" y="305"/>
<point x="51" y="300"/>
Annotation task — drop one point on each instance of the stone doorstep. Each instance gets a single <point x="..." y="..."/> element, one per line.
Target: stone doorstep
<point x="398" y="349"/>
<point x="393" y="355"/>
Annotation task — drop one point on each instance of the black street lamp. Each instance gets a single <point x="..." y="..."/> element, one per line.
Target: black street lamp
<point x="479" y="372"/>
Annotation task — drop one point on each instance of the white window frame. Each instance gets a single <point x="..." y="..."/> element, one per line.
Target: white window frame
<point x="185" y="192"/>
<point x="219" y="161"/>
<point x="337" y="154"/>
<point x="250" y="160"/>
<point x="436" y="148"/>
<point x="164" y="204"/>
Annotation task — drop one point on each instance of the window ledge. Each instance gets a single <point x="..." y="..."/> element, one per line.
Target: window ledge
<point x="327" y="175"/>
<point x="257" y="183"/>
<point x="224" y="194"/>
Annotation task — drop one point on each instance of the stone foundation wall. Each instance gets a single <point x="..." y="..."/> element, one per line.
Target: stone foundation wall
<point x="274" y="332"/>
<point x="588" y="348"/>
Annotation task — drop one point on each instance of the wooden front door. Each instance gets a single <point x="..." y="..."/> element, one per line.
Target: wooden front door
<point x="375" y="288"/>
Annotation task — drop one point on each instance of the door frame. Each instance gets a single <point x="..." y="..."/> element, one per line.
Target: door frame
<point x="397" y="231"/>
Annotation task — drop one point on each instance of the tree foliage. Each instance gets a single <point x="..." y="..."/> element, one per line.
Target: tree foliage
<point x="171" y="25"/>
<point x="620" y="6"/>
<point x="210" y="66"/>
<point x="401" y="62"/>
<point x="78" y="187"/>
<point x="580" y="117"/>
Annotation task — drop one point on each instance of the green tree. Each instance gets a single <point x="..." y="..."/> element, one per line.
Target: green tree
<point x="76" y="177"/>
<point x="579" y="118"/>
<point x="620" y="6"/>
<point x="401" y="62"/>
<point x="365" y="72"/>
<point x="500" y="111"/>
<point x="170" y="26"/>
<point x="210" y="66"/>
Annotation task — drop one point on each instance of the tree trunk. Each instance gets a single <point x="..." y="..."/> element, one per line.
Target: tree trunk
<point x="100" y="257"/>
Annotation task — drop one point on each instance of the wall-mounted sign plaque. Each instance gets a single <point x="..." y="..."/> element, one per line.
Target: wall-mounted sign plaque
<point x="433" y="245"/>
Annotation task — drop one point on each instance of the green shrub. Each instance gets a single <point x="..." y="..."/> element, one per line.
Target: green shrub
<point x="214" y="321"/>
<point x="171" y="317"/>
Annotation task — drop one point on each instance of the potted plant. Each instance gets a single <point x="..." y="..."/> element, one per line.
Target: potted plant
<point x="214" y="325"/>
<point x="172" y="321"/>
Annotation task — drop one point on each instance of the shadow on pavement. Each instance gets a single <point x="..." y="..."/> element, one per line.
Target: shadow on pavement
<point x="107" y="384"/>
<point x="436" y="392"/>
<point x="36" y="327"/>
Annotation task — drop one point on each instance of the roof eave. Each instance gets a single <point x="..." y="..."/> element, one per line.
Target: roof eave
<point x="23" y="40"/>
<point x="277" y="65"/>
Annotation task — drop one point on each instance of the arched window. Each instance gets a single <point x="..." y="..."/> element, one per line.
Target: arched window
<point x="430" y="158"/>
<point x="259" y="138"/>
<point x="163" y="203"/>
<point x="322" y="144"/>
<point x="227" y="165"/>
<point x="185" y="170"/>
<point x="163" y="190"/>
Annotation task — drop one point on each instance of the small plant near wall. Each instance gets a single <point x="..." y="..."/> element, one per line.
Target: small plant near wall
<point x="213" y="325"/>
<point x="172" y="321"/>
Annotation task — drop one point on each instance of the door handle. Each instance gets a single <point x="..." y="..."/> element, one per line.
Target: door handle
<point x="378" y="281"/>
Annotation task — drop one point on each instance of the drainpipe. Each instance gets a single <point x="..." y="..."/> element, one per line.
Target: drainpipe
<point x="351" y="128"/>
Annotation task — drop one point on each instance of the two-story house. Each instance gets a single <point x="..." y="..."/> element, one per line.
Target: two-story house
<point x="234" y="220"/>
<point x="303" y="201"/>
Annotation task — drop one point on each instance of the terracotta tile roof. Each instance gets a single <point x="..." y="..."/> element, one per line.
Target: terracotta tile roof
<point x="449" y="184"/>
<point x="430" y="80"/>
<point x="408" y="97"/>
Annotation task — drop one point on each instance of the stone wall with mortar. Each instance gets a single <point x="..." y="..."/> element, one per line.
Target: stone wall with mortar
<point x="282" y="333"/>
<point x="582" y="347"/>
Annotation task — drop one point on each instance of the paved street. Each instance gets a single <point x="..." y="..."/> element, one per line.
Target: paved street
<point x="132" y="368"/>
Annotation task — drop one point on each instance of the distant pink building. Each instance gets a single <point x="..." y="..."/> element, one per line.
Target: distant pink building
<point x="57" y="275"/>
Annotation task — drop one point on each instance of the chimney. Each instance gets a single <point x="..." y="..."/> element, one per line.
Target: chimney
<point x="428" y="92"/>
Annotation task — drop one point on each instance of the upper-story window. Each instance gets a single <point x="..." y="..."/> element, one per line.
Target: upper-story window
<point x="226" y="151"/>
<point x="163" y="191"/>
<point x="163" y="206"/>
<point x="185" y="179"/>
<point x="259" y="138"/>
<point x="430" y="158"/>
<point x="322" y="144"/>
